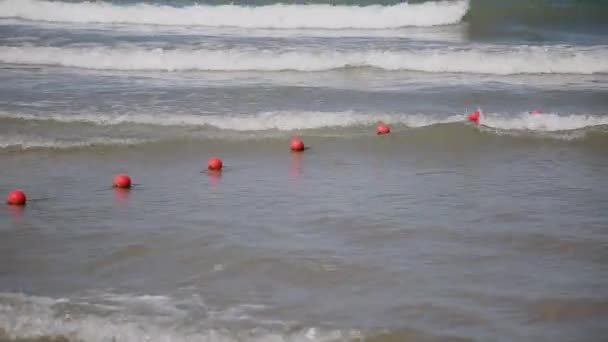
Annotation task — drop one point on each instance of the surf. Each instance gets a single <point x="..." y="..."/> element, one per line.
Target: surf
<point x="495" y="60"/>
<point x="277" y="16"/>
<point x="310" y="120"/>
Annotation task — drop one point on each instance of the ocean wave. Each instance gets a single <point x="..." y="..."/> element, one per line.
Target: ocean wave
<point x="481" y="60"/>
<point x="134" y="318"/>
<point x="546" y="122"/>
<point x="272" y="16"/>
<point x="303" y="120"/>
<point x="278" y="120"/>
<point x="32" y="143"/>
<point x="414" y="128"/>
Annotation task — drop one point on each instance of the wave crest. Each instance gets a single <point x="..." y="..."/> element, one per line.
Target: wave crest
<point x="303" y="120"/>
<point x="20" y="142"/>
<point x="422" y="128"/>
<point x="272" y="16"/>
<point x="482" y="60"/>
<point x="544" y="122"/>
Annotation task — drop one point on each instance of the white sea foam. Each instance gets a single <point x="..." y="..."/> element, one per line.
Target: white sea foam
<point x="271" y="124"/>
<point x="19" y="142"/>
<point x="546" y="122"/>
<point x="28" y="317"/>
<point x="300" y="120"/>
<point x="282" y="120"/>
<point x="271" y="16"/>
<point x="482" y="60"/>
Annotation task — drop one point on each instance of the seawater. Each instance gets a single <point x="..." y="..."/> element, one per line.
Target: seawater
<point x="442" y="230"/>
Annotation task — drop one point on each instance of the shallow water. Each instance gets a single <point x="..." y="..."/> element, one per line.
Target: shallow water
<point x="442" y="230"/>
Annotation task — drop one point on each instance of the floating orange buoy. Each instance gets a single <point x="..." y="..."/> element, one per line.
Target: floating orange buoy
<point x="296" y="145"/>
<point x="536" y="112"/>
<point x="382" y="129"/>
<point x="122" y="181"/>
<point x="16" y="197"/>
<point x="474" y="116"/>
<point x="215" y="164"/>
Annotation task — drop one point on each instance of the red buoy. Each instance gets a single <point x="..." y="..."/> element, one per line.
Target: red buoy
<point x="474" y="116"/>
<point x="16" y="197"/>
<point x="382" y="129"/>
<point x="214" y="164"/>
<point x="296" y="145"/>
<point x="122" y="181"/>
<point x="536" y="112"/>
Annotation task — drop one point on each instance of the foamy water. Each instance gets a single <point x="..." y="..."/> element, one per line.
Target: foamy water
<point x="272" y="16"/>
<point x="263" y="125"/>
<point x="543" y="122"/>
<point x="284" y="121"/>
<point x="27" y="142"/>
<point x="485" y="60"/>
<point x="288" y="121"/>
<point x="34" y="317"/>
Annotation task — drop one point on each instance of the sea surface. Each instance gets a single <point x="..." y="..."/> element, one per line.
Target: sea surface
<point x="443" y="230"/>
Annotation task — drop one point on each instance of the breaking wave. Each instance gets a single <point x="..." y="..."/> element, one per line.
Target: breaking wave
<point x="483" y="60"/>
<point x="282" y="121"/>
<point x="277" y="125"/>
<point x="302" y="120"/>
<point x="132" y="318"/>
<point x="33" y="143"/>
<point x="270" y="16"/>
